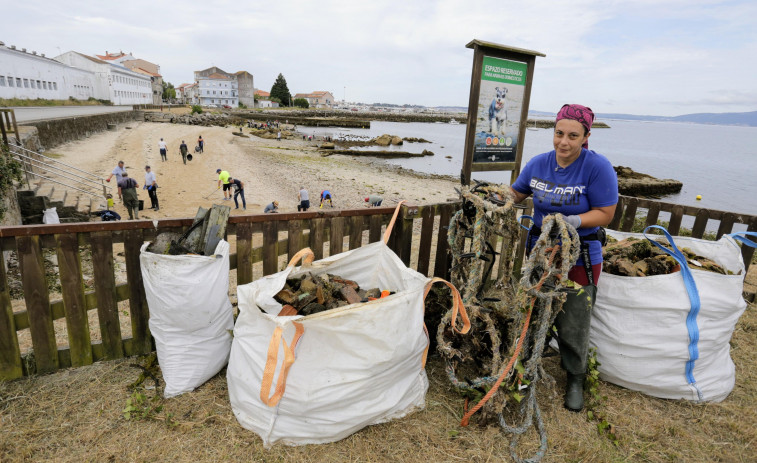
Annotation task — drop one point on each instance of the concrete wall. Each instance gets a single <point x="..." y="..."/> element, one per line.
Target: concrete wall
<point x="57" y="131"/>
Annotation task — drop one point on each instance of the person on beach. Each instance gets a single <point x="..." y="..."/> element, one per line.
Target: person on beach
<point x="326" y="196"/>
<point x="201" y="144"/>
<point x="278" y="136"/>
<point x="163" y="150"/>
<point x="589" y="205"/>
<point x="304" y="199"/>
<point x="223" y="179"/>
<point x="374" y="200"/>
<point x="272" y="208"/>
<point x="129" y="191"/>
<point x="118" y="171"/>
<point x="109" y="202"/>
<point x="183" y="150"/>
<point x="151" y="185"/>
<point x="238" y="186"/>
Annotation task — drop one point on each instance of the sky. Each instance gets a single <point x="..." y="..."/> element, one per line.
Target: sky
<point x="644" y="57"/>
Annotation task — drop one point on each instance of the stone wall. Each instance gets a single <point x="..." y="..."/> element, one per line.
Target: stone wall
<point x="54" y="132"/>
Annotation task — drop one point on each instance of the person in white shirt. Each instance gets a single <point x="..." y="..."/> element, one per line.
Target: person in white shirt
<point x="151" y="185"/>
<point x="118" y="171"/>
<point x="163" y="149"/>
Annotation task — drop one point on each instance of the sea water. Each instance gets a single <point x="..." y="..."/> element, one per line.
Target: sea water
<point x="714" y="161"/>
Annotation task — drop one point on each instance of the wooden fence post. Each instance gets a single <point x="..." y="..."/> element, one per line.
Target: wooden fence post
<point x="270" y="248"/>
<point x="10" y="355"/>
<point x="72" y="287"/>
<point x="37" y="298"/>
<point x="105" y="291"/>
<point x="427" y="235"/>
<point x="244" y="253"/>
<point x="140" y="313"/>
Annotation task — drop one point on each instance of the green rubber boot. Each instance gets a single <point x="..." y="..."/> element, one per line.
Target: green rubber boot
<point x="573" y="323"/>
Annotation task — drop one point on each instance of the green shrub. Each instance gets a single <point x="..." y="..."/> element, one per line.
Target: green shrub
<point x="301" y="102"/>
<point x="196" y="109"/>
<point x="242" y="106"/>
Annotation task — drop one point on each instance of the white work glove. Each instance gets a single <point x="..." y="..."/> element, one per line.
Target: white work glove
<point x="573" y="220"/>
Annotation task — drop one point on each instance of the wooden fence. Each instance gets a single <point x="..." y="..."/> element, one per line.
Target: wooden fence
<point x="86" y="324"/>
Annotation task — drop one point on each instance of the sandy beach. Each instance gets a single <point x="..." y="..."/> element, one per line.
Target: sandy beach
<point x="270" y="169"/>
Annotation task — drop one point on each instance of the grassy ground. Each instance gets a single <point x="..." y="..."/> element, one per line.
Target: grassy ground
<point x="77" y="415"/>
<point x="14" y="102"/>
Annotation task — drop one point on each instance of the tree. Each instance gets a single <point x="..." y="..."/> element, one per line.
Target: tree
<point x="281" y="91"/>
<point x="301" y="102"/>
<point x="169" y="93"/>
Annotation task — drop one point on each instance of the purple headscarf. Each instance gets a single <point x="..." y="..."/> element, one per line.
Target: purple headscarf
<point x="578" y="113"/>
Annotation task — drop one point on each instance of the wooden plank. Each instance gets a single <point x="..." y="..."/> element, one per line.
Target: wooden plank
<point x="214" y="229"/>
<point x="615" y="223"/>
<point x="270" y="247"/>
<point x="140" y="313"/>
<point x="746" y="251"/>
<point x="674" y="227"/>
<point x="726" y="225"/>
<point x="106" y="296"/>
<point x="374" y="230"/>
<point x="404" y="233"/>
<point x="294" y="237"/>
<point x="427" y="236"/>
<point x="356" y="231"/>
<point x="629" y="215"/>
<point x="653" y="213"/>
<point x="336" y="241"/>
<point x="244" y="253"/>
<point x="700" y="223"/>
<point x="10" y="354"/>
<point x="317" y="227"/>
<point x="72" y="288"/>
<point x="30" y="261"/>
<point x="441" y="265"/>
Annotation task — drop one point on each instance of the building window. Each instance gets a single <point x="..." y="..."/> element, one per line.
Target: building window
<point x="55" y="85"/>
<point x="39" y="84"/>
<point x="2" y="81"/>
<point x="32" y="82"/>
<point x="10" y="81"/>
<point x="26" y="83"/>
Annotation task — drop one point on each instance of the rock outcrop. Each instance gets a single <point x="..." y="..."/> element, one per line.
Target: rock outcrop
<point x="633" y="183"/>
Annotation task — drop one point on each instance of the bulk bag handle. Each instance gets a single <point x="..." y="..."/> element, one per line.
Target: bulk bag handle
<point x="457" y="308"/>
<point x="738" y="237"/>
<point x="691" y="318"/>
<point x="272" y="361"/>
<point x="305" y="254"/>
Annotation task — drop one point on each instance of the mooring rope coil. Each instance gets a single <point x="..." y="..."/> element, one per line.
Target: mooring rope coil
<point x="533" y="308"/>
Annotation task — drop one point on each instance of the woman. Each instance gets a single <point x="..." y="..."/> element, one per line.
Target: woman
<point x="201" y="144"/>
<point x="582" y="186"/>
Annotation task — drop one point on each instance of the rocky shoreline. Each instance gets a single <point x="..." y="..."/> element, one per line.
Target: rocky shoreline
<point x="631" y="183"/>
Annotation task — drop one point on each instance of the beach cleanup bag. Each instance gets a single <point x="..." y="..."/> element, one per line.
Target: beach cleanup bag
<point x="190" y="315"/>
<point x="320" y="378"/>
<point x="50" y="216"/>
<point x="668" y="335"/>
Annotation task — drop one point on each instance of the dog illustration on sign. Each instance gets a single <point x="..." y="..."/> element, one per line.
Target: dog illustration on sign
<point x="498" y="112"/>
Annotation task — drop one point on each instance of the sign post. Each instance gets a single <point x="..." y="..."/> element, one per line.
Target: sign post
<point x="498" y="108"/>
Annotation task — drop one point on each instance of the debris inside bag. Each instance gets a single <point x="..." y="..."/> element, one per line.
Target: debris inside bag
<point x="640" y="258"/>
<point x="202" y="237"/>
<point x="308" y="294"/>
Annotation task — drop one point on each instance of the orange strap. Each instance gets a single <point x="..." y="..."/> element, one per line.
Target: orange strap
<point x="272" y="361"/>
<point x="306" y="255"/>
<point x="518" y="346"/>
<point x="457" y="307"/>
<point x="391" y="222"/>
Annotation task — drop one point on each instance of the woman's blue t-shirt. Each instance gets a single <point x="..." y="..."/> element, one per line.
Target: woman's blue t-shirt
<point x="590" y="181"/>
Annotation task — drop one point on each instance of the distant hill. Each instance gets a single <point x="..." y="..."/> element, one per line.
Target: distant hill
<point x="747" y="119"/>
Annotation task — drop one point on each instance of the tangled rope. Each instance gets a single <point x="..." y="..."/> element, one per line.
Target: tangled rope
<point x="496" y="310"/>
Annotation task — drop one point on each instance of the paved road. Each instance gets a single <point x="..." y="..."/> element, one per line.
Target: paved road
<point x="34" y="113"/>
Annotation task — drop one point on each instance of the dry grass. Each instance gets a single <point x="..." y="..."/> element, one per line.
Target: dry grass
<point x="77" y="415"/>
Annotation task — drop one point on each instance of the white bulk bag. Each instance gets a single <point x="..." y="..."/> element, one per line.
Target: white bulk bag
<point x="337" y="371"/>
<point x="650" y="337"/>
<point x="190" y="315"/>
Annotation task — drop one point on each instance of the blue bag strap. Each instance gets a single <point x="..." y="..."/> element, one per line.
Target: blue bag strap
<point x="691" y="318"/>
<point x="741" y="236"/>
<point x="524" y="216"/>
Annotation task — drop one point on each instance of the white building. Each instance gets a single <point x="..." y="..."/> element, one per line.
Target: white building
<point x="113" y="82"/>
<point x="28" y="75"/>
<point x="217" y="89"/>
